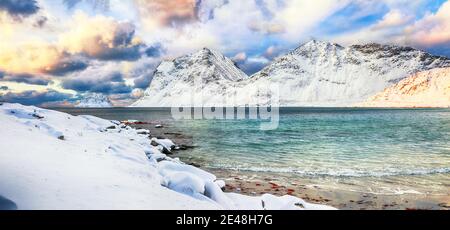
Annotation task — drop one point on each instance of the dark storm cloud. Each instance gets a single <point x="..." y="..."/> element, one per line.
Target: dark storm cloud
<point x="110" y="84"/>
<point x="132" y="53"/>
<point x="34" y="97"/>
<point x="154" y="50"/>
<point x="24" y="78"/>
<point x="122" y="47"/>
<point x="67" y="66"/>
<point x="142" y="82"/>
<point x="19" y="7"/>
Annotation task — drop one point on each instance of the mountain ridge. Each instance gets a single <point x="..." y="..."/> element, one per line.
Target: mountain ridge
<point x="316" y="73"/>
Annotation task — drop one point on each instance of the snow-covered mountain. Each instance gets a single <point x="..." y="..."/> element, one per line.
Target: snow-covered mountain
<point x="314" y="74"/>
<point x="203" y="76"/>
<point x="94" y="100"/>
<point x="424" y="89"/>
<point x="325" y="74"/>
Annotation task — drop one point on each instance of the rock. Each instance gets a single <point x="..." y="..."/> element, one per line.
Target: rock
<point x="143" y="132"/>
<point x="61" y="137"/>
<point x="154" y="143"/>
<point x="166" y="151"/>
<point x="111" y="127"/>
<point x="185" y="147"/>
<point x="35" y="115"/>
<point x="195" y="164"/>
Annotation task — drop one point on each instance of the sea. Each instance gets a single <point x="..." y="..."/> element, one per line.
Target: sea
<point x="376" y="151"/>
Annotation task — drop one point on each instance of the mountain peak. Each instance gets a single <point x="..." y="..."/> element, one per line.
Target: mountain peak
<point x="314" y="45"/>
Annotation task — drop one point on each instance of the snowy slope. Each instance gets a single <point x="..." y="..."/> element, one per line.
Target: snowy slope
<point x="424" y="89"/>
<point x="52" y="160"/>
<point x="94" y="100"/>
<point x="325" y="74"/>
<point x="314" y="74"/>
<point x="193" y="79"/>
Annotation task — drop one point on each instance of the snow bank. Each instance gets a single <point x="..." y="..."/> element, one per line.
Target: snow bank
<point x="52" y="160"/>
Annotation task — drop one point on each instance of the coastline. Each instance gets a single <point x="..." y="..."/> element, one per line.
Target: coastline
<point x="308" y="189"/>
<point x="54" y="160"/>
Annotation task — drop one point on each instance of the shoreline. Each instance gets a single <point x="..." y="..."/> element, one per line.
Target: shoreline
<point x="123" y="168"/>
<point x="255" y="184"/>
<point x="249" y="183"/>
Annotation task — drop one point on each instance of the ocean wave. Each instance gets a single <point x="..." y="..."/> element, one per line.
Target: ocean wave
<point x="341" y="172"/>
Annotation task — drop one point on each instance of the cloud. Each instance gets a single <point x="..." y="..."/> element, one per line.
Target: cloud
<point x="142" y="82"/>
<point x="19" y="8"/>
<point x="392" y="19"/>
<point x="299" y="16"/>
<point x="104" y="79"/>
<point x="432" y="29"/>
<point x="4" y="88"/>
<point x="102" y="38"/>
<point x="240" y="57"/>
<point x="253" y="64"/>
<point x="154" y="50"/>
<point x="67" y="65"/>
<point x="40" y="22"/>
<point x="35" y="97"/>
<point x="168" y="13"/>
<point x="25" y="78"/>
<point x="272" y="52"/>
<point x="401" y="27"/>
<point x="96" y="4"/>
<point x="99" y="37"/>
<point x="137" y="93"/>
<point x="32" y="57"/>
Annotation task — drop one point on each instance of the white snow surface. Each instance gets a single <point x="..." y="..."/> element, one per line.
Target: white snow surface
<point x="424" y="89"/>
<point x="315" y="74"/>
<point x="175" y="82"/>
<point x="53" y="160"/>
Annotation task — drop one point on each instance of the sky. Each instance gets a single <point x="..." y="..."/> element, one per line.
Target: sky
<point x="55" y="52"/>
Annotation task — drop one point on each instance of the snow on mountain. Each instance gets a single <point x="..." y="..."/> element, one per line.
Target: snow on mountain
<point x="203" y="76"/>
<point x="94" y="100"/>
<point x="325" y="74"/>
<point x="53" y="160"/>
<point x="424" y="89"/>
<point x="314" y="74"/>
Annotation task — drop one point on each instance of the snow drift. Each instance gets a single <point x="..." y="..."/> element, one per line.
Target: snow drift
<point x="52" y="160"/>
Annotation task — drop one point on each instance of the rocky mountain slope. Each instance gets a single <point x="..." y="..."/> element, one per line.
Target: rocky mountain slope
<point x="314" y="74"/>
<point x="424" y="89"/>
<point x="194" y="79"/>
<point x="325" y="74"/>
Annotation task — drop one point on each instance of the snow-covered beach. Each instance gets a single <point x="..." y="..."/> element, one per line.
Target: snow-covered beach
<point x="53" y="160"/>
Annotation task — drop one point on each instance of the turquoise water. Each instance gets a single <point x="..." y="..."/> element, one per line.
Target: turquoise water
<point x="380" y="150"/>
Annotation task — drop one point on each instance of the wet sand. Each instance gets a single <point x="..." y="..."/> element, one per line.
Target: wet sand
<point x="252" y="184"/>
